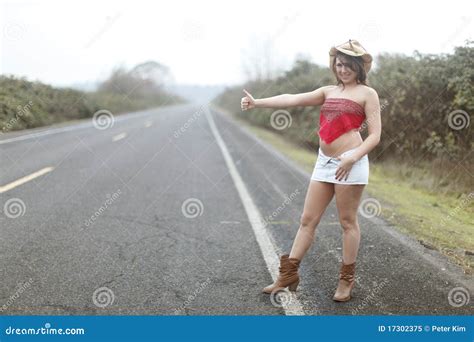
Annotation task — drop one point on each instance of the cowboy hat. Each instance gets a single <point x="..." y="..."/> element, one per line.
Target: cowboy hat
<point x="351" y="48"/>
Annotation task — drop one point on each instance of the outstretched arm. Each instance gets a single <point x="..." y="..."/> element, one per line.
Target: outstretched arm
<point x="312" y="98"/>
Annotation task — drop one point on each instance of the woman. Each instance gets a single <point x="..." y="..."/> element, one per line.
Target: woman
<point x="342" y="166"/>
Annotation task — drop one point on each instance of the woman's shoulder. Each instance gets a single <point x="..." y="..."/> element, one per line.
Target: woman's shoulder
<point x="367" y="91"/>
<point x="370" y="96"/>
<point x="327" y="89"/>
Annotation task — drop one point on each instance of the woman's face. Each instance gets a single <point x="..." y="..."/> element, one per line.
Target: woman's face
<point x="344" y="72"/>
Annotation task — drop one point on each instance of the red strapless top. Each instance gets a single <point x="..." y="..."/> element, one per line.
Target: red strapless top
<point x="338" y="116"/>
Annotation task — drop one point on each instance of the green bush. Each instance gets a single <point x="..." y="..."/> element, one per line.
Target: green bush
<point x="25" y="104"/>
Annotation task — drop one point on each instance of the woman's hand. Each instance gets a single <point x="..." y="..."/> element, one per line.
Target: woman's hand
<point x="345" y="167"/>
<point x="247" y="102"/>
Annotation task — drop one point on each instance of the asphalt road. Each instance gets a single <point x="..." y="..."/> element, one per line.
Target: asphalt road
<point x="150" y="217"/>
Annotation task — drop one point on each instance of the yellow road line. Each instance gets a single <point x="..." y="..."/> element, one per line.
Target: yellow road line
<point x="119" y="136"/>
<point x="25" y="179"/>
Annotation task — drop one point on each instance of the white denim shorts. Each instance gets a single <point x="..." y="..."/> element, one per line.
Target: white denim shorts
<point x="326" y="167"/>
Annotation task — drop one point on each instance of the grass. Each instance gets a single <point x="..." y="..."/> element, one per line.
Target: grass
<point x="439" y="220"/>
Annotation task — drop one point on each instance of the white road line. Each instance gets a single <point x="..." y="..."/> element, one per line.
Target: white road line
<point x="277" y="154"/>
<point x="291" y="306"/>
<point x="25" y="179"/>
<point x="119" y="136"/>
<point x="148" y="124"/>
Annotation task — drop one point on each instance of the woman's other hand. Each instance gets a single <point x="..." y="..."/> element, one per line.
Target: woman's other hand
<point x="345" y="166"/>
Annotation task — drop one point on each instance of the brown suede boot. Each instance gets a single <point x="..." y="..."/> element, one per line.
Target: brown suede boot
<point x="288" y="276"/>
<point x="346" y="283"/>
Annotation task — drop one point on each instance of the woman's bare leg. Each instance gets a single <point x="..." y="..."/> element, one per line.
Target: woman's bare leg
<point x="318" y="197"/>
<point x="347" y="202"/>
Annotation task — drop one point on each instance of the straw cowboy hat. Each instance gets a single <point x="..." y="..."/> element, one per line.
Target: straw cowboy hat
<point x="351" y="48"/>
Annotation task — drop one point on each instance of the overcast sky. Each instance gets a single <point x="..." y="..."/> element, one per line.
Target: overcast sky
<point x="206" y="42"/>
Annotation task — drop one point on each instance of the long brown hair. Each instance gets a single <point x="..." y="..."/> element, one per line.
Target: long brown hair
<point x="355" y="63"/>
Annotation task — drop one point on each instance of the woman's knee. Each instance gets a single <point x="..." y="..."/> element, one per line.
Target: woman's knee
<point x="349" y="223"/>
<point x="309" y="221"/>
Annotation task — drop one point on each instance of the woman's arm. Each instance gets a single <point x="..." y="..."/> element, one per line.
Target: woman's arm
<point x="374" y="125"/>
<point x="312" y="98"/>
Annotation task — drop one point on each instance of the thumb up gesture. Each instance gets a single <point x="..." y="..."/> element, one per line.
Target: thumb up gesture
<point x="247" y="102"/>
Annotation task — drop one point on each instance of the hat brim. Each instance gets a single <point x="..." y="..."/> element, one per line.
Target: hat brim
<point x="366" y="57"/>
